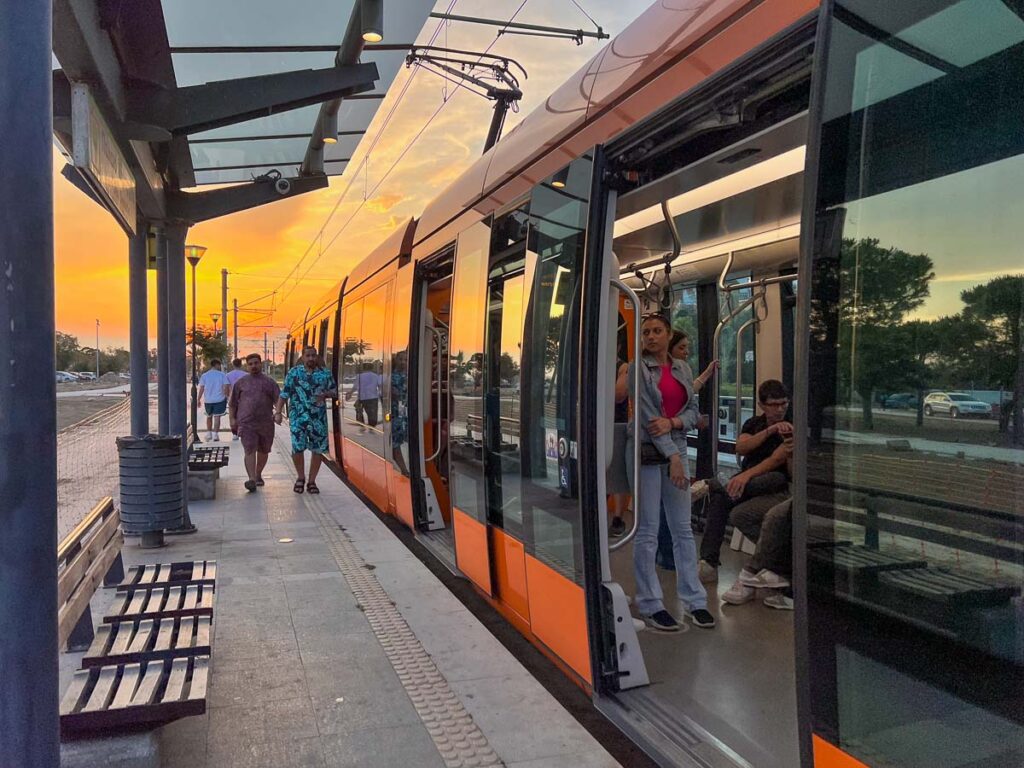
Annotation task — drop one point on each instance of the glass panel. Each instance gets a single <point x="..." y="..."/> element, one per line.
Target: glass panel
<point x="505" y="306"/>
<point x="248" y="174"/>
<point x="370" y="379"/>
<point x="466" y="374"/>
<point x="399" y="377"/>
<point x="727" y="413"/>
<point x="199" y="68"/>
<point x="260" y="22"/>
<point x="294" y="121"/>
<point x="351" y="361"/>
<point x="550" y="367"/>
<point x="251" y="153"/>
<point x="915" y="553"/>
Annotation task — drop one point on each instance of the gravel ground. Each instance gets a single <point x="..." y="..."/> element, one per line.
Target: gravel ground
<point x="71" y="410"/>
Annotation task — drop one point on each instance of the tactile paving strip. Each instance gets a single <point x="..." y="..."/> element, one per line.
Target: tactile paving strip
<point x="458" y="738"/>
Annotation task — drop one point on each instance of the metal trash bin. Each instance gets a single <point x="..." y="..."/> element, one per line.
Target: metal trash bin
<point x="152" y="486"/>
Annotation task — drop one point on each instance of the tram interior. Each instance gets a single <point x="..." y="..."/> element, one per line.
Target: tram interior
<point x="732" y="687"/>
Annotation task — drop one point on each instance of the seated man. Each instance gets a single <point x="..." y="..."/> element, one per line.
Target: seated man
<point x="763" y="470"/>
<point x="768" y="520"/>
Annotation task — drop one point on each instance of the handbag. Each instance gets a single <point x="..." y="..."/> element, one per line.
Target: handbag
<point x="651" y="456"/>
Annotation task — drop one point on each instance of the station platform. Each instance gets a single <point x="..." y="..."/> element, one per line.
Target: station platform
<point x="335" y="646"/>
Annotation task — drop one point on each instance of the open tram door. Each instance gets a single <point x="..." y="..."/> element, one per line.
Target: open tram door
<point x="432" y="296"/>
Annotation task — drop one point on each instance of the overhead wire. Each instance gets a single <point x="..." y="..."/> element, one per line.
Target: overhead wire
<point x="583" y="11"/>
<point x="408" y="146"/>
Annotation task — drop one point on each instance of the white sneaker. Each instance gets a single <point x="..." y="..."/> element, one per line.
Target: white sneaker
<point x="216" y="437"/>
<point x="779" y="602"/>
<point x="234" y="437"/>
<point x="638" y="624"/>
<point x="209" y="436"/>
<point x="764" y="579"/>
<point x="698" y="490"/>
<point x="739" y="593"/>
<point x="706" y="572"/>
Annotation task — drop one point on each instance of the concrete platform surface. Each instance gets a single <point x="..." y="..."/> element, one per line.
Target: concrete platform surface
<point x="335" y="646"/>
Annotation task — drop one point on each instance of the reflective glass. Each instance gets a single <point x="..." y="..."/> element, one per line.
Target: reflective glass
<point x="915" y="468"/>
<point x="258" y="22"/>
<point x="351" y="363"/>
<point x="199" y="68"/>
<point x="466" y="371"/>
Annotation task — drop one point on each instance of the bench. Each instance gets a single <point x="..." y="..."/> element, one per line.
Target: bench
<point x="204" y="464"/>
<point x="148" y="663"/>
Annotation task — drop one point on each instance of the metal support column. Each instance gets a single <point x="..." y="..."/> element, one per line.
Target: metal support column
<point x="177" y="379"/>
<point x="138" y="329"/>
<point x="237" y="354"/>
<point x="163" y="412"/>
<point x="28" y="421"/>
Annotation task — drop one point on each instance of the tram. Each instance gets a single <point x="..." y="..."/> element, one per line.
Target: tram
<point x="823" y="195"/>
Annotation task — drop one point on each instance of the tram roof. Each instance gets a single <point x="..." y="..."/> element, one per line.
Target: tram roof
<point x="201" y="92"/>
<point x="664" y="50"/>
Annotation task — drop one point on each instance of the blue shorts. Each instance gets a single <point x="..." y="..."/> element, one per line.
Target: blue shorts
<point x="216" y="409"/>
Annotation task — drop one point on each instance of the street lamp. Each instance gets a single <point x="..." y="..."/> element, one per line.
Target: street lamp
<point x="215" y="316"/>
<point x="194" y="253"/>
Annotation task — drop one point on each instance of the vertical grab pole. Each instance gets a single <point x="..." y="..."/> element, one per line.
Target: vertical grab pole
<point x="739" y="371"/>
<point x="632" y="296"/>
<point x="437" y="340"/>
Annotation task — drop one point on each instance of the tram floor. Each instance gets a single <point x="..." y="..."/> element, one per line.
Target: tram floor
<point x="736" y="681"/>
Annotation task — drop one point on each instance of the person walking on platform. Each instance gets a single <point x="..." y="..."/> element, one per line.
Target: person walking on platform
<point x="252" y="402"/>
<point x="668" y="408"/>
<point x="213" y="392"/>
<point x="367" y="392"/>
<point x="236" y="372"/>
<point x="306" y="389"/>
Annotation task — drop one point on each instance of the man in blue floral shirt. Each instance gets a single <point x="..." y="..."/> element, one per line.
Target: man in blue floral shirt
<point x="306" y="389"/>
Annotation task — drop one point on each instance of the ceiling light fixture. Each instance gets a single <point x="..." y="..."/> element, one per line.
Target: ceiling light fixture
<point x="329" y="129"/>
<point x="371" y="16"/>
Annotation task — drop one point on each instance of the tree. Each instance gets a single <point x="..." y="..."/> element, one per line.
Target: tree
<point x="998" y="305"/>
<point x="209" y="346"/>
<point x="878" y="287"/>
<point x="67" y="349"/>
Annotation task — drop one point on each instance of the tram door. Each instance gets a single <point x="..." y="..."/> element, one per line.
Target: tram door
<point x="435" y="401"/>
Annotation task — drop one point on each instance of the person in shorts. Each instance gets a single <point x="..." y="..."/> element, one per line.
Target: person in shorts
<point x="213" y="393"/>
<point x="306" y="389"/>
<point x="237" y="372"/>
<point x="251" y="403"/>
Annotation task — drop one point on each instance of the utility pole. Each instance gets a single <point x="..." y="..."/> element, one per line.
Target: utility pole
<point x="236" y="326"/>
<point x="224" y="305"/>
<point x="265" y="348"/>
<point x="97" y="349"/>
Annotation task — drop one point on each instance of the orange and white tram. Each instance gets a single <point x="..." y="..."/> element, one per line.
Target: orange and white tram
<point x="807" y="190"/>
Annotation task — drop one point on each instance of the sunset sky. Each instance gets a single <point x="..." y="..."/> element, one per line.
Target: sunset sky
<point x="260" y="247"/>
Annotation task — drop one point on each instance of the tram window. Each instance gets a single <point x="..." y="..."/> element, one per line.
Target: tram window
<point x="727" y="394"/>
<point x="550" y="496"/>
<point x="917" y="286"/>
<point x="370" y="380"/>
<point x="398" y="389"/>
<point x="326" y="345"/>
<point x="351" y="360"/>
<point x="466" y="371"/>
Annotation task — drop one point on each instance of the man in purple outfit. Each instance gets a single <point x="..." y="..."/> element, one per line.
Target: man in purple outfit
<point x="252" y="415"/>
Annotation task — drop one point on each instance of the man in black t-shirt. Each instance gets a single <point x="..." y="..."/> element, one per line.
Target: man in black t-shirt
<point x="764" y="447"/>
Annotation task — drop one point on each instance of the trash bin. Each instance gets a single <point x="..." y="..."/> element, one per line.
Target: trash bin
<point x="152" y="486"/>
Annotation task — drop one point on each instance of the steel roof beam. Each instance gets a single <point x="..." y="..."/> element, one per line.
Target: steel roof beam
<point x="226" y="102"/>
<point x="194" y="207"/>
<point x="265" y="137"/>
<point x="86" y="54"/>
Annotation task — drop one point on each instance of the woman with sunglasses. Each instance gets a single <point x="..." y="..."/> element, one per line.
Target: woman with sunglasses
<point x="667" y="405"/>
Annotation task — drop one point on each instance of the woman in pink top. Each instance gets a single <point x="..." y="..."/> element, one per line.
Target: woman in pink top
<point x="667" y="405"/>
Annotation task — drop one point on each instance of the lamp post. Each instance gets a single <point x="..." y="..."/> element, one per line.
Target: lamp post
<point x="215" y="316"/>
<point x="194" y="253"/>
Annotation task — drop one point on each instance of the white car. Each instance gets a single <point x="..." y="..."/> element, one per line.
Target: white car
<point x="86" y="376"/>
<point x="63" y="377"/>
<point x="957" y="405"/>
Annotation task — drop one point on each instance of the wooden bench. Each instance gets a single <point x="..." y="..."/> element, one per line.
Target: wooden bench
<point x="137" y="695"/>
<point x="206" y="457"/>
<point x="88" y="556"/>
<point x="148" y="663"/>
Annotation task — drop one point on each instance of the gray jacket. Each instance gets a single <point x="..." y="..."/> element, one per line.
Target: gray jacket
<point x="650" y="404"/>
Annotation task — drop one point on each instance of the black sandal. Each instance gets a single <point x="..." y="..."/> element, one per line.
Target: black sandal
<point x="299" y="486"/>
<point x="250" y="485"/>
<point x="259" y="482"/>
<point x="311" y="487"/>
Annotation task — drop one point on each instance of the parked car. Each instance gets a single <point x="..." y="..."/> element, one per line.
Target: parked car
<point x="903" y="401"/>
<point x="86" y="376"/>
<point x="63" y="377"/>
<point x="956" y="405"/>
<point x="124" y="375"/>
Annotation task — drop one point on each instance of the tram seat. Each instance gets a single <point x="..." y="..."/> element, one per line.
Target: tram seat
<point x="148" y="663"/>
<point x="740" y="543"/>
